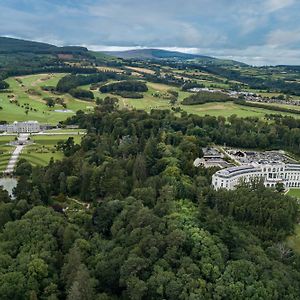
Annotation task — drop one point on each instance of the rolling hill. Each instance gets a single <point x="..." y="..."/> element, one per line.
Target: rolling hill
<point x="159" y="54"/>
<point x="154" y="54"/>
<point x="12" y="45"/>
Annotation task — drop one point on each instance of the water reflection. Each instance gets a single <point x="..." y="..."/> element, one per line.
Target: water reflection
<point x="8" y="184"/>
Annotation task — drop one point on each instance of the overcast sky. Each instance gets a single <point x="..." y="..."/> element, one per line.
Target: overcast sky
<point x="259" y="32"/>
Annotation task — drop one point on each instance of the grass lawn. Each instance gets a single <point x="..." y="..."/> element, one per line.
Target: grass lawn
<point x="37" y="108"/>
<point x="49" y="140"/>
<point x="36" y="158"/>
<point x="294" y="240"/>
<point x="66" y="131"/>
<point x="4" y="139"/>
<point x="5" y="154"/>
<point x="40" y="112"/>
<point x="294" y="193"/>
<point x="215" y="109"/>
<point x="43" y="149"/>
<point x="5" y="150"/>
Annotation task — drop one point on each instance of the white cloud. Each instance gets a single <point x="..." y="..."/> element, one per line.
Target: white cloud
<point x="274" y="5"/>
<point x="280" y="38"/>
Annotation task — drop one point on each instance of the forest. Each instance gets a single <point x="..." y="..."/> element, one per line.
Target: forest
<point x="206" y="97"/>
<point x="127" y="86"/>
<point x="151" y="226"/>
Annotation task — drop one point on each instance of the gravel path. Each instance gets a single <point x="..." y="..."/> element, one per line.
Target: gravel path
<point x="22" y="138"/>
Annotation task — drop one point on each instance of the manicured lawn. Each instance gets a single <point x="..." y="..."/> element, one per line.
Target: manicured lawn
<point x="43" y="149"/>
<point x="66" y="131"/>
<point x="37" y="108"/>
<point x="4" y="139"/>
<point x="50" y="140"/>
<point x="40" y="112"/>
<point x="4" y="159"/>
<point x="5" y="154"/>
<point x="5" y="150"/>
<point x="215" y="109"/>
<point x="294" y="193"/>
<point x="36" y="158"/>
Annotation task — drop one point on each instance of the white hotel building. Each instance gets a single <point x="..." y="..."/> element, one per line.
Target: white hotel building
<point x="288" y="174"/>
<point x="21" y="127"/>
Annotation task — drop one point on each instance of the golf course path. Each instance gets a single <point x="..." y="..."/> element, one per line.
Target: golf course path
<point x="22" y="138"/>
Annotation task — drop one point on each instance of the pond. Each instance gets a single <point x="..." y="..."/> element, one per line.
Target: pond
<point x="8" y="184"/>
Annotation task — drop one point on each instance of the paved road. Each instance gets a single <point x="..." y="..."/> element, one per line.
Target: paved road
<point x="22" y="138"/>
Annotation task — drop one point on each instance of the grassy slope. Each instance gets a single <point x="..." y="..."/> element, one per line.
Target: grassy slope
<point x="5" y="151"/>
<point x="44" y="149"/>
<point x="294" y="193"/>
<point x="216" y="109"/>
<point x="12" y="112"/>
<point x="38" y="153"/>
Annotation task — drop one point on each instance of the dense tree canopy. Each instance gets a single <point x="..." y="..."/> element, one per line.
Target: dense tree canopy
<point x="3" y="85"/>
<point x="154" y="228"/>
<point x="206" y="97"/>
<point x="128" y="86"/>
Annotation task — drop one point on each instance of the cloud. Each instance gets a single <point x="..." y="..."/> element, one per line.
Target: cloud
<point x="215" y="27"/>
<point x="274" y="5"/>
<point x="283" y="38"/>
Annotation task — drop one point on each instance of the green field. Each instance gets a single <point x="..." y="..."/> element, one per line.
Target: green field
<point x="37" y="108"/>
<point x="43" y="149"/>
<point x="40" y="112"/>
<point x="5" y="151"/>
<point x="225" y="109"/>
<point x="294" y="193"/>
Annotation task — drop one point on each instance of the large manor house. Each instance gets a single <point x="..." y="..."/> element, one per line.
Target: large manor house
<point x="271" y="174"/>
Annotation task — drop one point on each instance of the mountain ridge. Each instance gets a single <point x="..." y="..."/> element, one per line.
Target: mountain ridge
<point x="13" y="45"/>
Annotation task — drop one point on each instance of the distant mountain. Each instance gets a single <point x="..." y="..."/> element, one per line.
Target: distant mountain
<point x="11" y="45"/>
<point x="158" y="54"/>
<point x="154" y="54"/>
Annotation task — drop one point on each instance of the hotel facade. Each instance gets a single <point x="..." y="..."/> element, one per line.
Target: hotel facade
<point x="271" y="174"/>
<point x="21" y="127"/>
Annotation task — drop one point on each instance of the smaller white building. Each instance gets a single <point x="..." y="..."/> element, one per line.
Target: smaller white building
<point x="22" y="127"/>
<point x="271" y="174"/>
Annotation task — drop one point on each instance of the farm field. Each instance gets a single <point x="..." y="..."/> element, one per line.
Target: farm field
<point x="25" y="101"/>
